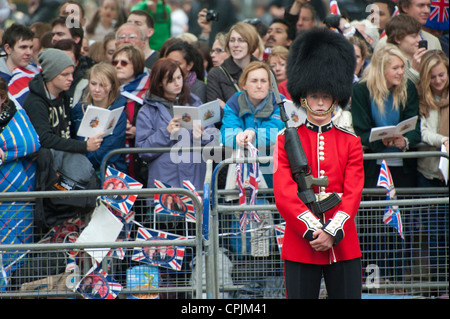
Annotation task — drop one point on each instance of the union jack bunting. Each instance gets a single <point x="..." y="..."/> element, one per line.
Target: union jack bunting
<point x="391" y="216"/>
<point x="279" y="233"/>
<point x="190" y="213"/>
<point x="248" y="177"/>
<point x="115" y="179"/>
<point x="438" y="18"/>
<point x="334" y="8"/>
<point x="99" y="285"/>
<point x="175" y="204"/>
<point x="164" y="256"/>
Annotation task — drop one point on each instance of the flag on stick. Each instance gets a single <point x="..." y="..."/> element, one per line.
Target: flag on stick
<point x="392" y="213"/>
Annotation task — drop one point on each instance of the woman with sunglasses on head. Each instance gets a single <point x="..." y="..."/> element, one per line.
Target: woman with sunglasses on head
<point x="241" y="41"/>
<point x="103" y="91"/>
<point x="129" y="62"/>
<point x="156" y="127"/>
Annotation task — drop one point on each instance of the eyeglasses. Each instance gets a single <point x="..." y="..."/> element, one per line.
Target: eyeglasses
<point x="217" y="51"/>
<point x="238" y="40"/>
<point x="122" y="63"/>
<point x="129" y="36"/>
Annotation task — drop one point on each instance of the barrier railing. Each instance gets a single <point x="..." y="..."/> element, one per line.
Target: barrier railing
<point x="226" y="273"/>
<point x="261" y="276"/>
<point x="191" y="285"/>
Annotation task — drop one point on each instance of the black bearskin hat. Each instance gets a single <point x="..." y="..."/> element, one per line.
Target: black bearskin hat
<point x="321" y="60"/>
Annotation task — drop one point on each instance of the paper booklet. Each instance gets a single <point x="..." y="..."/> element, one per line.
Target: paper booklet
<point x="378" y="133"/>
<point x="207" y="114"/>
<point x="443" y="165"/>
<point x="97" y="120"/>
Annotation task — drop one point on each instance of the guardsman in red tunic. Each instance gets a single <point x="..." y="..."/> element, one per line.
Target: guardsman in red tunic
<point x="334" y="251"/>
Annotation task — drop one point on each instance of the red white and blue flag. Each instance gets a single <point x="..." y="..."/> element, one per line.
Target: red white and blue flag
<point x="137" y="88"/>
<point x="279" y="233"/>
<point x="163" y="256"/>
<point x="247" y="176"/>
<point x="438" y="18"/>
<point x="98" y="284"/>
<point x="334" y="8"/>
<point x="115" y="179"/>
<point x="18" y="84"/>
<point x="175" y="204"/>
<point x="391" y="216"/>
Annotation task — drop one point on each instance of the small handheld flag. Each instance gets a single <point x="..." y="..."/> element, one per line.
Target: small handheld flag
<point x="392" y="213"/>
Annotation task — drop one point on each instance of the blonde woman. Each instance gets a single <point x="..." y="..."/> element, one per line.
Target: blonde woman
<point x="104" y="92"/>
<point x="385" y="97"/>
<point x="277" y="60"/>
<point x="433" y="109"/>
<point x="241" y="41"/>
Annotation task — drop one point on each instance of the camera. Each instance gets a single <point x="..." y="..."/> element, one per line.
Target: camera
<point x="212" y="15"/>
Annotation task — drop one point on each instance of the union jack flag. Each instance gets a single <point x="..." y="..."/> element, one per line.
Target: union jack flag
<point x="279" y="232"/>
<point x="334" y="8"/>
<point x="391" y="216"/>
<point x="439" y="11"/>
<point x="182" y="205"/>
<point x="164" y="256"/>
<point x="18" y="84"/>
<point x="438" y="19"/>
<point x="98" y="284"/>
<point x="248" y="177"/>
<point x="136" y="89"/>
<point x="115" y="179"/>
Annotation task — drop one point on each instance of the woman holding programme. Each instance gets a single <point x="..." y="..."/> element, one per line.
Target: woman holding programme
<point x="386" y="97"/>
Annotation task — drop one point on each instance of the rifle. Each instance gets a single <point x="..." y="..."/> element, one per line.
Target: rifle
<point x="301" y="172"/>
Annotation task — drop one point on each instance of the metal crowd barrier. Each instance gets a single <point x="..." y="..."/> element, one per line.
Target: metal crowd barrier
<point x="414" y="267"/>
<point x="248" y="265"/>
<point x="38" y="277"/>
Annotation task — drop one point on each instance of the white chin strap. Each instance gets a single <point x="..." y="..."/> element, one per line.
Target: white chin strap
<point x="304" y="102"/>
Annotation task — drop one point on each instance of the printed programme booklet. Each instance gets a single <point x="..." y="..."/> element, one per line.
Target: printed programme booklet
<point x="97" y="120"/>
<point x="296" y="114"/>
<point x="207" y="114"/>
<point x="378" y="133"/>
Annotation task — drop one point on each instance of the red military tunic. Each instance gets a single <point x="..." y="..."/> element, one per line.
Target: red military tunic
<point x="331" y="152"/>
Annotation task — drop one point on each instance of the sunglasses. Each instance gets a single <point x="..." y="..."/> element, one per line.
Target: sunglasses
<point x="122" y="63"/>
<point x="216" y="51"/>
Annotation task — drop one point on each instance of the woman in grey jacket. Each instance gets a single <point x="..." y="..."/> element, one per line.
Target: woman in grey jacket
<point x="156" y="127"/>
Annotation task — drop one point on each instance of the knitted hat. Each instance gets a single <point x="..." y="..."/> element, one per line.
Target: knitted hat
<point x="53" y="62"/>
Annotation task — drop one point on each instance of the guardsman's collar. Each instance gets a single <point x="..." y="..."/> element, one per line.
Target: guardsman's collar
<point x="319" y="128"/>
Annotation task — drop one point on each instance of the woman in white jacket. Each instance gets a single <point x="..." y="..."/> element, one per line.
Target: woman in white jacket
<point x="433" y="109"/>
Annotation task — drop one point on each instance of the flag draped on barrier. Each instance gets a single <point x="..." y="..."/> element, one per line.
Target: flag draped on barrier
<point x="175" y="204"/>
<point x="163" y="256"/>
<point x="392" y="213"/>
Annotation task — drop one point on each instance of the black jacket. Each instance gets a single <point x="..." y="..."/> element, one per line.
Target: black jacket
<point x="219" y="86"/>
<point x="51" y="118"/>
